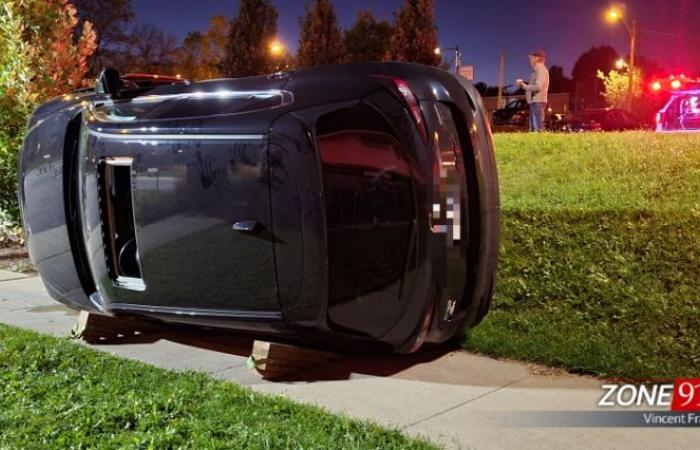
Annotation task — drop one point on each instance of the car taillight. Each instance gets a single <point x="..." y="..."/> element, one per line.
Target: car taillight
<point x="413" y="108"/>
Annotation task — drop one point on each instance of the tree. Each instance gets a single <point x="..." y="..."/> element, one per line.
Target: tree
<point x="247" y="46"/>
<point x="368" y="39"/>
<point x="189" y="56"/>
<point x="39" y="58"/>
<point x="415" y="33"/>
<point x="588" y="86"/>
<point x="110" y="19"/>
<point x="616" y="85"/>
<point x="201" y="56"/>
<point x="558" y="81"/>
<point x="59" y="55"/>
<point x="650" y="68"/>
<point x="320" y="41"/>
<point x="214" y="48"/>
<point x="151" y="50"/>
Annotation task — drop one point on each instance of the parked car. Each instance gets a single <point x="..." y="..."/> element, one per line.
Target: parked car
<point x="347" y="206"/>
<point x="681" y="113"/>
<point x="515" y="116"/>
<point x="603" y="120"/>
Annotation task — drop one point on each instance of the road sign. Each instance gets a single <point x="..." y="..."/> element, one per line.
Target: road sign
<point x="467" y="72"/>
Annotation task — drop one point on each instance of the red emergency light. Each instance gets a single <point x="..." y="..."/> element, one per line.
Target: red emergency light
<point x="673" y="83"/>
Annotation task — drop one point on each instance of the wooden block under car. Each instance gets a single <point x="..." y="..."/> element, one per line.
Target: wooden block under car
<point x="97" y="328"/>
<point x="273" y="360"/>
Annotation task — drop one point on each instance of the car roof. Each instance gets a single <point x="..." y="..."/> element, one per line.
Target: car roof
<point x="693" y="91"/>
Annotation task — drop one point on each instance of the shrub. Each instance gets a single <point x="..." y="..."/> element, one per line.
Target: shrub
<point x="38" y="59"/>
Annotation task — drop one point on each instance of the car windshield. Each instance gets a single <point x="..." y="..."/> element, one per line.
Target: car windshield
<point x="515" y="104"/>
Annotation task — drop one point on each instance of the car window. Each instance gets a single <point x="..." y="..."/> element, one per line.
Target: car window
<point x="690" y="105"/>
<point x="513" y="104"/>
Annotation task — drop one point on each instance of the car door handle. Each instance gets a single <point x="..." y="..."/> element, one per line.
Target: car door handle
<point x="247" y="226"/>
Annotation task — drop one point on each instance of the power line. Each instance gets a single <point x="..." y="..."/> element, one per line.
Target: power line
<point x="678" y="36"/>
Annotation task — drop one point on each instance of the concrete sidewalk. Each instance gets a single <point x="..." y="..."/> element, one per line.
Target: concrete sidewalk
<point x="456" y="398"/>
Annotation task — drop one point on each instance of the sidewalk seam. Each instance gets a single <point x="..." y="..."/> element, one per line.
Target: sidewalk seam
<point x="14" y="279"/>
<point x="214" y="372"/>
<point x="452" y="408"/>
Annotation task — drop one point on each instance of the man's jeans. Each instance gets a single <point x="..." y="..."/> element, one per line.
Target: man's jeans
<point x="537" y="116"/>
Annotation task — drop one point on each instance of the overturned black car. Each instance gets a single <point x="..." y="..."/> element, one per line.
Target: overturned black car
<point x="345" y="206"/>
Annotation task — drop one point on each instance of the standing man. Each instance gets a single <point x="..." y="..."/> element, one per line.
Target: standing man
<point x="536" y="90"/>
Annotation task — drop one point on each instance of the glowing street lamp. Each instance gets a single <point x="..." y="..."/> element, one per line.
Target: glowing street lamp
<point x="276" y="48"/>
<point x="615" y="15"/>
<point x="458" y="55"/>
<point x="620" y="64"/>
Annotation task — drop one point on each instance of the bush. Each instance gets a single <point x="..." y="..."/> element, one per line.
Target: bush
<point x="9" y="149"/>
<point x="39" y="58"/>
<point x="600" y="254"/>
<point x="15" y="102"/>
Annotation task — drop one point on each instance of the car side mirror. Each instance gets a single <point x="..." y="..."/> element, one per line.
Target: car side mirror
<point x="109" y="82"/>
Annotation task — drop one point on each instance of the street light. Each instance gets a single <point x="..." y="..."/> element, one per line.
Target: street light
<point x="615" y="15"/>
<point x="276" y="48"/>
<point x="458" y="55"/>
<point x="620" y="64"/>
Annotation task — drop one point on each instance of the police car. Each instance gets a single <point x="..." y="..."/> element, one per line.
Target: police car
<point x="682" y="111"/>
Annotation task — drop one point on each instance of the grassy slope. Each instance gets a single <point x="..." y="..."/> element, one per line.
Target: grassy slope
<point x="600" y="254"/>
<point x="56" y="394"/>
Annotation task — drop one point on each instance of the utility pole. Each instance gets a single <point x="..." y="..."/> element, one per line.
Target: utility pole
<point x="501" y="78"/>
<point x="632" y="65"/>
<point x="458" y="62"/>
<point x="614" y="15"/>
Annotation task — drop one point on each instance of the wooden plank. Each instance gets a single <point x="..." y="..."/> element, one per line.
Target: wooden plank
<point x="273" y="360"/>
<point x="95" y="328"/>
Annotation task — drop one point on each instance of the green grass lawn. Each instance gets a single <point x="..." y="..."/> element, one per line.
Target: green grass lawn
<point x="55" y="394"/>
<point x="600" y="254"/>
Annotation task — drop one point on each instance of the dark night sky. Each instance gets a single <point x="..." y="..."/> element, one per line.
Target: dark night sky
<point x="482" y="28"/>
